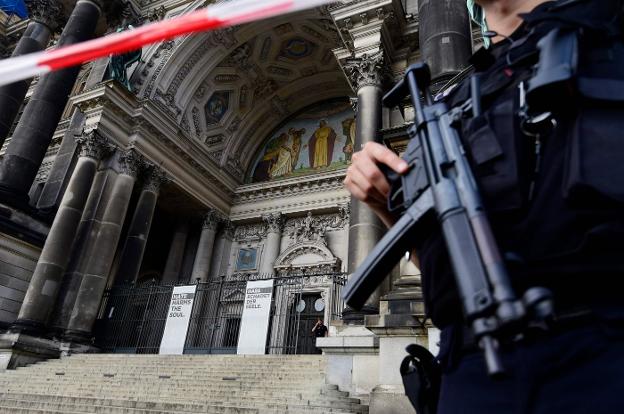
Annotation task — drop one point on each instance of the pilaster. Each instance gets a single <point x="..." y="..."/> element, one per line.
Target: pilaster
<point x="103" y="243"/>
<point x="47" y="278"/>
<point x="205" y="249"/>
<point x="138" y="232"/>
<point x="275" y="225"/>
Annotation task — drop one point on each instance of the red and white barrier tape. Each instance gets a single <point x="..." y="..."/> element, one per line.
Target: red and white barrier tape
<point x="210" y="18"/>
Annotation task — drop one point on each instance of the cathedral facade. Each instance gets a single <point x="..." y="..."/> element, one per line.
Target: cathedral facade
<point x="210" y="160"/>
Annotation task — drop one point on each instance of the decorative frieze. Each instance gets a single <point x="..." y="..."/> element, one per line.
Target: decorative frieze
<point x="255" y="231"/>
<point x="290" y="188"/>
<point x="313" y="228"/>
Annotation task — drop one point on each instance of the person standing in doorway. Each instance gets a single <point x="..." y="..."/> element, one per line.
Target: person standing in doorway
<point x="319" y="331"/>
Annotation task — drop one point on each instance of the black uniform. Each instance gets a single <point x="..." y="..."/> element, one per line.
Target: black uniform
<point x="556" y="205"/>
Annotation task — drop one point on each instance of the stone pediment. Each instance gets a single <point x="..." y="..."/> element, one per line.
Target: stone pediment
<point x="307" y="256"/>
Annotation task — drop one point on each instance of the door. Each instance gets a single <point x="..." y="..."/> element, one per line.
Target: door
<point x="310" y="307"/>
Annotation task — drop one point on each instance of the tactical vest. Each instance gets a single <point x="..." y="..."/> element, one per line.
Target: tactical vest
<point x="555" y="198"/>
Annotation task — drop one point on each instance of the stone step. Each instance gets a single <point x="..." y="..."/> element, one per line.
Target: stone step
<point x="83" y="408"/>
<point x="66" y="407"/>
<point x="150" y="405"/>
<point x="195" y="369"/>
<point x="185" y="359"/>
<point x="239" y="399"/>
<point x="126" y="402"/>
<point x="164" y="389"/>
<point x="174" y="392"/>
<point x="155" y="374"/>
<point x="271" y="403"/>
<point x="157" y="384"/>
<point x="181" y="386"/>
<point x="186" y="379"/>
<point x="188" y="361"/>
<point x="167" y="392"/>
<point x="289" y="357"/>
<point x="17" y="410"/>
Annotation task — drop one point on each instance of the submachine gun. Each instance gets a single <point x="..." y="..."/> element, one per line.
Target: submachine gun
<point x="441" y="184"/>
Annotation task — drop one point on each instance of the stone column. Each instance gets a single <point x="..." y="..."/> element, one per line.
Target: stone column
<point x="205" y="249"/>
<point x="365" y="229"/>
<point x="176" y="253"/>
<point x="136" y="240"/>
<point x="273" y="243"/>
<point x="105" y="244"/>
<point x="445" y="38"/>
<point x="45" y="18"/>
<point x="46" y="280"/>
<point x="82" y="249"/>
<point x="42" y="114"/>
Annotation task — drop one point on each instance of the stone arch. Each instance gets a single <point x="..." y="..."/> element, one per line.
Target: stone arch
<point x="279" y="79"/>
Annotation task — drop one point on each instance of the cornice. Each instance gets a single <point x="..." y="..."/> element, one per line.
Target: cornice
<point x="289" y="187"/>
<point x="156" y="136"/>
<point x="352" y="9"/>
<point x="322" y="192"/>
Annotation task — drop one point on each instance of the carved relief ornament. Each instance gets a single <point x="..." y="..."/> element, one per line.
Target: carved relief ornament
<point x="275" y="222"/>
<point x="368" y="70"/>
<point x="47" y="12"/>
<point x="211" y="220"/>
<point x="130" y="162"/>
<point x="155" y="179"/>
<point x="228" y="229"/>
<point x="93" y="145"/>
<point x="250" y="232"/>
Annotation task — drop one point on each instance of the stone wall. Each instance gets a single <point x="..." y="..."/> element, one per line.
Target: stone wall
<point x="17" y="263"/>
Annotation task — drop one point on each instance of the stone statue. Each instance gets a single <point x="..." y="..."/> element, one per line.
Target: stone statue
<point x="119" y="64"/>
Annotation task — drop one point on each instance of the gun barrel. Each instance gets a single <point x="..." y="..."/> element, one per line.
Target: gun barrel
<point x="385" y="254"/>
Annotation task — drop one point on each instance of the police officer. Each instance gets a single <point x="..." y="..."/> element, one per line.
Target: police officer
<point x="551" y="171"/>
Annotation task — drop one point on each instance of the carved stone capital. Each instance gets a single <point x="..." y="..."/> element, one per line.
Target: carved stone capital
<point x="93" y="145"/>
<point x="130" y="162"/>
<point x="368" y="70"/>
<point x="275" y="222"/>
<point x="154" y="179"/>
<point x="211" y="220"/>
<point x="47" y="12"/>
<point x="344" y="212"/>
<point x="228" y="229"/>
<point x="157" y="14"/>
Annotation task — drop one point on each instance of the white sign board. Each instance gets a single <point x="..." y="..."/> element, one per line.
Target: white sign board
<point x="178" y="319"/>
<point x="255" y="321"/>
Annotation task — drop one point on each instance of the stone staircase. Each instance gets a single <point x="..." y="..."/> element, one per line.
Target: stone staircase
<point x="157" y="384"/>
